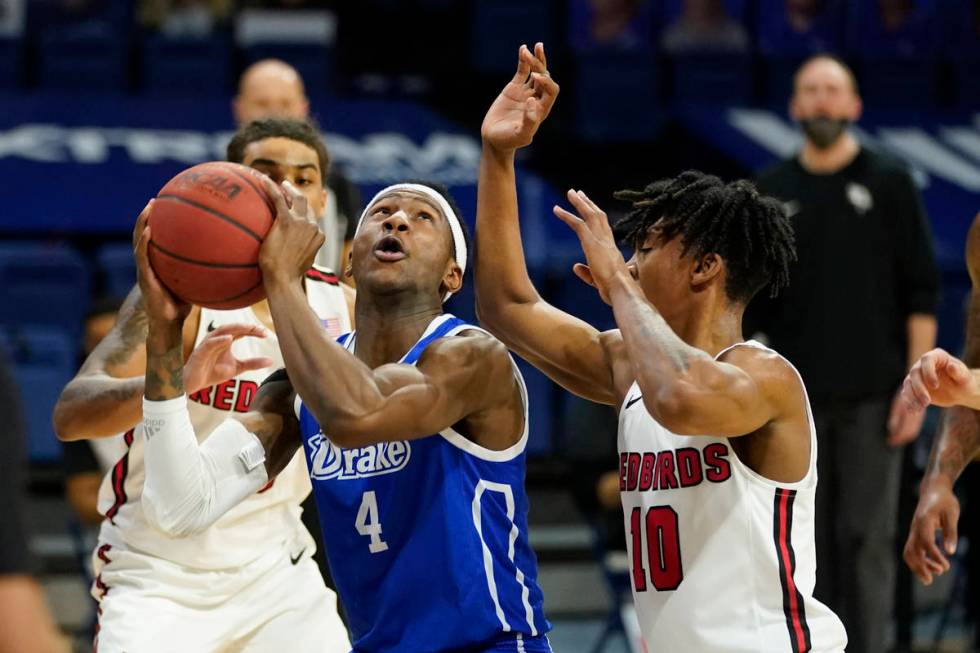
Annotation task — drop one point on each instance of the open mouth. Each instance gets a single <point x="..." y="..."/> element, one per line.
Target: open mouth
<point x="389" y="249"/>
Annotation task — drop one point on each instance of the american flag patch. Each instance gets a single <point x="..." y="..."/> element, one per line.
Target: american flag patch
<point x="332" y="325"/>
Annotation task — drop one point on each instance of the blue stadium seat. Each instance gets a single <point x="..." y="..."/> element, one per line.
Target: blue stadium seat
<point x="499" y="27"/>
<point x="117" y="269"/>
<point x="90" y="58"/>
<point x="44" y="361"/>
<point x="199" y="66"/>
<point x="962" y="50"/>
<point x="718" y="75"/>
<point x="896" y="67"/>
<point x="43" y="284"/>
<point x="11" y="62"/>
<point x="783" y="48"/>
<point x="617" y="97"/>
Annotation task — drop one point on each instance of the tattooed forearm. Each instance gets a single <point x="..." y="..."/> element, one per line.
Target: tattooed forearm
<point x="164" y="364"/>
<point x="131" y="331"/>
<point x="959" y="438"/>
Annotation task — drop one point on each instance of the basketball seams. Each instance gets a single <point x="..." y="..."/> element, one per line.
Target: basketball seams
<point x="185" y="259"/>
<point x="260" y="191"/>
<point x="209" y="210"/>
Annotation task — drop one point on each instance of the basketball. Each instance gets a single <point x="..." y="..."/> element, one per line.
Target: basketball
<point x="207" y="225"/>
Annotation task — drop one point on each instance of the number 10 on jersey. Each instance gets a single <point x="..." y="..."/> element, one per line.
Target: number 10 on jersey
<point x="663" y="547"/>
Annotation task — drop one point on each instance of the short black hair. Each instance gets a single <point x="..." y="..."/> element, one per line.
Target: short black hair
<point x="749" y="231"/>
<point x="301" y="131"/>
<point x="442" y="190"/>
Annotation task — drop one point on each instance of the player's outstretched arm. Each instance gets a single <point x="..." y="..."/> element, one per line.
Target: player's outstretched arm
<point x="683" y="388"/>
<point x="565" y="348"/>
<point x="190" y="485"/>
<point x="956" y="445"/>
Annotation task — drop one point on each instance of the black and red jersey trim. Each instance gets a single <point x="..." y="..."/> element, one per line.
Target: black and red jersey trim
<point x="118" y="476"/>
<point x="318" y="275"/>
<point x="793" y="608"/>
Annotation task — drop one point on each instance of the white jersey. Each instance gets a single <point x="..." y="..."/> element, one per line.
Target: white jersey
<point x="265" y="520"/>
<point x="723" y="559"/>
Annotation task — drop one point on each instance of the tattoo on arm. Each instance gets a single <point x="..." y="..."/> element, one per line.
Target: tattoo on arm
<point x="959" y="437"/>
<point x="164" y="366"/>
<point x="131" y="334"/>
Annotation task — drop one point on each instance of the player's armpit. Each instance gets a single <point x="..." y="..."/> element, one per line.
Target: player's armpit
<point x="468" y="377"/>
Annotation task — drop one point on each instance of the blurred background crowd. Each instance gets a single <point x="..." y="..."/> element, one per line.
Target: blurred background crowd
<point x="102" y="101"/>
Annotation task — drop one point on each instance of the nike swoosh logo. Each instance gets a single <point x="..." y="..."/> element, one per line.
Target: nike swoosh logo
<point x="298" y="556"/>
<point x="633" y="401"/>
<point x="211" y="327"/>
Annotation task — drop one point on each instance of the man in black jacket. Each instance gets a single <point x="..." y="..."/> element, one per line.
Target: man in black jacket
<point x="858" y="313"/>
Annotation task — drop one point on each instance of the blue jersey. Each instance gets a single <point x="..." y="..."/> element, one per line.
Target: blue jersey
<point x="427" y="539"/>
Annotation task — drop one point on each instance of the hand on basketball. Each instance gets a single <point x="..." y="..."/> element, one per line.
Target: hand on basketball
<point x="161" y="305"/>
<point x="604" y="261"/>
<point x="516" y="114"/>
<point x="212" y="362"/>
<point x="941" y="379"/>
<point x="938" y="509"/>
<point x="294" y="239"/>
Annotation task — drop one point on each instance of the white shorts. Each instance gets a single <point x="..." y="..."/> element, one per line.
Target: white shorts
<point x="150" y="605"/>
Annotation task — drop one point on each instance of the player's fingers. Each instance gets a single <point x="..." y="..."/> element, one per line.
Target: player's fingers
<point x="537" y="65"/>
<point x="257" y="363"/>
<point x="523" y="65"/>
<point x="927" y="368"/>
<point x="214" y="343"/>
<point x="539" y="53"/>
<point x="237" y="331"/>
<point x="947" y="521"/>
<point x="275" y="193"/>
<point x="545" y="87"/>
<point x="141" y="221"/>
<point x="583" y="208"/>
<point x="583" y="272"/>
<point x="958" y="372"/>
<point x="919" y="390"/>
<point x="599" y="213"/>
<point x="570" y="219"/>
<point x="299" y="202"/>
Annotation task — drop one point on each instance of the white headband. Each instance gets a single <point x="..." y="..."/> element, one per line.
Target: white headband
<point x="459" y="242"/>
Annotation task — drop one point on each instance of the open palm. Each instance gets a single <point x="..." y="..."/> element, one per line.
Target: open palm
<point x="522" y="106"/>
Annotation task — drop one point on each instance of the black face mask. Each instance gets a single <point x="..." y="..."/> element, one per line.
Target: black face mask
<point x="824" y="132"/>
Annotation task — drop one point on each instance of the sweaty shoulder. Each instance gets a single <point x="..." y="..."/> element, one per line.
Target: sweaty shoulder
<point x="468" y="347"/>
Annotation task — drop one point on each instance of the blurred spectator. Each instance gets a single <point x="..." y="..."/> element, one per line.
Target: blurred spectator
<point x="87" y="461"/>
<point x="25" y="625"/>
<point x="894" y="14"/>
<point x="610" y="24"/>
<point x="704" y="25"/>
<point x="273" y="88"/>
<point x="797" y="28"/>
<point x="858" y="312"/>
<point x="184" y="18"/>
<point x="802" y="15"/>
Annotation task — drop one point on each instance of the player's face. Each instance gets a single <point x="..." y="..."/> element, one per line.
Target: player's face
<point x="405" y="243"/>
<point x="663" y="274"/>
<point x="284" y="159"/>
<point x="824" y="90"/>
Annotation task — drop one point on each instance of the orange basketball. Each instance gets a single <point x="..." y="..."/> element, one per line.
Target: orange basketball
<point x="207" y="225"/>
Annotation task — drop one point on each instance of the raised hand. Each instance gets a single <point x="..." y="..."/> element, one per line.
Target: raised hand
<point x="941" y="379"/>
<point x="212" y="362"/>
<point x="516" y="114"/>
<point x="294" y="239"/>
<point x="162" y="306"/>
<point x="604" y="261"/>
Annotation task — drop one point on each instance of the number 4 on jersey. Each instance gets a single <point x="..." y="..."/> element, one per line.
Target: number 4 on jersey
<point x="367" y="522"/>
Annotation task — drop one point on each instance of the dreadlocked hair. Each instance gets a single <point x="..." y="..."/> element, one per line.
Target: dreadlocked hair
<point x="749" y="231"/>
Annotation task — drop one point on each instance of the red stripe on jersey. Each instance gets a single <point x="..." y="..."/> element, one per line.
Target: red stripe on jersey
<point x="102" y="551"/>
<point x="793" y="609"/>
<point x="317" y="275"/>
<point x="119" y="472"/>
